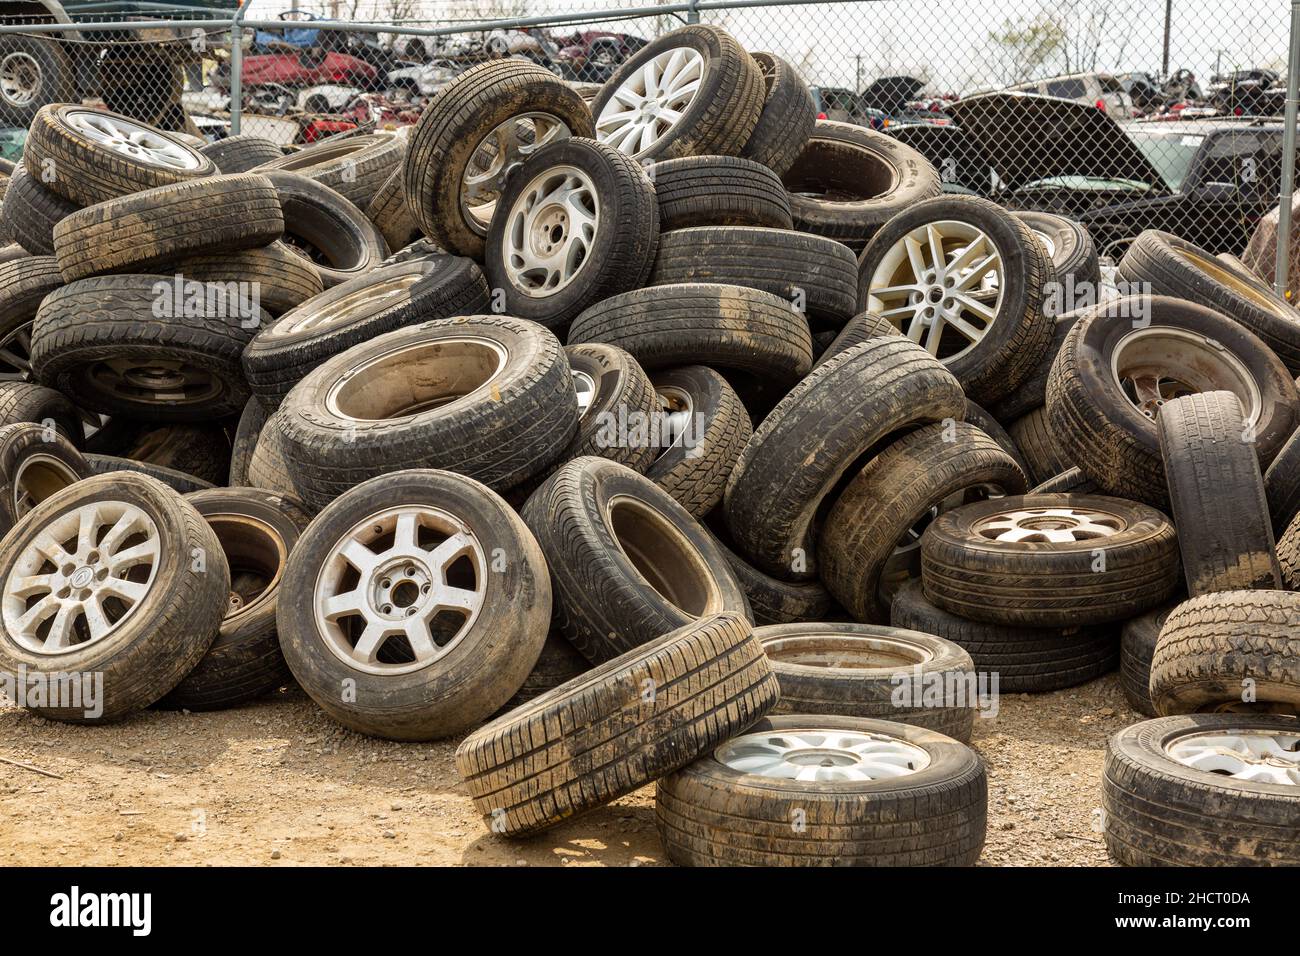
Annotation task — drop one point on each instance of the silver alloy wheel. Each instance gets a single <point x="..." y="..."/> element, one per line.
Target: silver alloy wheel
<point x="941" y="285"/>
<point x="651" y="102"/>
<point x="142" y="143"/>
<point x="1064" y="525"/>
<point x="677" y="411"/>
<point x="371" y="300"/>
<point x="38" y="477"/>
<point x="1256" y="755"/>
<point x="904" y="562"/>
<point x="81" y="577"/>
<point x="163" y="381"/>
<point x="1046" y="242"/>
<point x="585" y="386"/>
<point x="816" y="755"/>
<point x="20" y="79"/>
<point x="16" y="355"/>
<point x="550" y="231"/>
<point x="400" y="589"/>
<point x="847" y="651"/>
<point x="1157" y="364"/>
<point x="497" y="156"/>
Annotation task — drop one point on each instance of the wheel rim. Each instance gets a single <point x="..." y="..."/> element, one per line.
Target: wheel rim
<point x="1258" y="756"/>
<point x="678" y="410"/>
<point x="551" y="231"/>
<point x="83" y="575"/>
<point x="1155" y="365"/>
<point x="128" y="138"/>
<point x="850" y="651"/>
<point x="904" y="562"/>
<point x="157" y="383"/>
<point x="941" y="285"/>
<point x="20" y="79"/>
<point x="648" y="105"/>
<point x="1049" y="525"/>
<point x="400" y="590"/>
<point x="416" y="378"/>
<point x="1046" y="242"/>
<point x="38" y="477"/>
<point x="371" y="300"/>
<point x="497" y="156"/>
<point x="585" y="386"/>
<point x="662" y="555"/>
<point x="256" y="553"/>
<point x="16" y="355"/>
<point x="815" y="755"/>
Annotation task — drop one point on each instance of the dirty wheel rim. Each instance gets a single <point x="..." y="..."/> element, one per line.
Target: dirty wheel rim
<point x="585" y="386"/>
<point x="20" y="79"/>
<point x="941" y="285"/>
<point x="497" y="156"/>
<point x="38" y="477"/>
<point x="256" y="553"/>
<point x="135" y="140"/>
<point x="1258" y="756"/>
<point x="850" y="651"/>
<point x="904" y="562"/>
<point x="1046" y="241"/>
<point x="81" y="577"/>
<point x="1155" y="365"/>
<point x="16" y="355"/>
<point x="400" y="590"/>
<point x="551" y="231"/>
<point x="1064" y="525"/>
<point x="416" y="378"/>
<point x="663" y="556"/>
<point x="371" y="300"/>
<point x="157" y="383"/>
<point x="651" y="102"/>
<point x="816" y="756"/>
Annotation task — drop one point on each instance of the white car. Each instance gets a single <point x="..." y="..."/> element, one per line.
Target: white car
<point x="1096" y="89"/>
<point x="423" y="80"/>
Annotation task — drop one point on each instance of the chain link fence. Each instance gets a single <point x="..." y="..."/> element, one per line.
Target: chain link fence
<point x="1150" y="113"/>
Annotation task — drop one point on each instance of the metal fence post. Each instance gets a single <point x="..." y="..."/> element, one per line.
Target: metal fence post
<point x="1282" y="264"/>
<point x="692" y="13"/>
<point x="237" y="68"/>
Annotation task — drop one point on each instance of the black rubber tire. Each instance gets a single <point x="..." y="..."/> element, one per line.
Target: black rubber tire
<point x="145" y="230"/>
<point x="30" y="212"/>
<point x="1032" y="393"/>
<point x="787" y="119"/>
<point x="779" y="602"/>
<point x="981" y="419"/>
<point x="857" y="670"/>
<point x="1282" y="484"/>
<point x="817" y="434"/>
<point x="326" y="229"/>
<point x="88" y="172"/>
<point x="622" y="408"/>
<point x="1288" y="556"/>
<point x="722" y="326"/>
<point x="91" y="320"/>
<point x="57" y="73"/>
<point x="1028" y="660"/>
<point x="499" y="435"/>
<point x="720" y="118"/>
<point x="816" y="275"/>
<point x="1101" y="431"/>
<point x="391" y="213"/>
<point x="1034" y="437"/>
<point x="1072" y="480"/>
<point x="356" y="311"/>
<point x="628" y="563"/>
<point x="848" y="181"/>
<point x="1216" y="495"/>
<point x="168" y="629"/>
<point x="1168" y="265"/>
<point x="617" y="727"/>
<point x="452" y="129"/>
<point x="178" y="481"/>
<point x="257" y="533"/>
<point x="1159" y="812"/>
<point x="201" y="449"/>
<point x="1074" y="257"/>
<point x="1229" y="650"/>
<point x="1029" y="583"/>
<point x="354" y="166"/>
<point x="29" y="402"/>
<point x="719" y="191"/>
<point x="1018" y="337"/>
<point x="1137" y="645"/>
<point x="558" y="664"/>
<point x="492" y="652"/>
<point x="249" y="429"/>
<point x="711" y="815"/>
<point x="894" y="493"/>
<point x="35" y="463"/>
<point x="694" y="470"/>
<point x="419" y="249"/>
<point x="267" y="467"/>
<point x="241" y="153"/>
<point x="283" y="278"/>
<point x="24" y="284"/>
<point x="620" y="252"/>
<point x="859" y="329"/>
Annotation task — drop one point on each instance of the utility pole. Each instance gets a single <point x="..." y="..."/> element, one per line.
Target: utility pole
<point x="857" y="87"/>
<point x="1164" y="59"/>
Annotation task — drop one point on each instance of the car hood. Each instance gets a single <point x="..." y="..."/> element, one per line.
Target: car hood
<point x="1028" y="137"/>
<point x="891" y="93"/>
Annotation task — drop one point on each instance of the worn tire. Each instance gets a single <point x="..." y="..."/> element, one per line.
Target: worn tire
<point x="779" y="602"/>
<point x="24" y="284"/>
<point x="241" y="153"/>
<point x="177" y="481"/>
<point x="787" y="119"/>
<point x="29" y="402"/>
<point x="283" y="278"/>
<point x="1073" y="253"/>
<point x="1137" y="645"/>
<point x="859" y="329"/>
<point x="35" y="463"/>
<point x="558" y="664"/>
<point x="29" y="213"/>
<point x="247" y="431"/>
<point x="328" y="230"/>
<point x="391" y="213"/>
<point x="719" y="191"/>
<point x="621" y="405"/>
<point x="1072" y="480"/>
<point x="1282" y="484"/>
<point x="354" y="167"/>
<point x="1034" y="437"/>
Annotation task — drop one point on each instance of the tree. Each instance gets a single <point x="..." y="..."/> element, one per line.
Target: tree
<point x="1020" y="50"/>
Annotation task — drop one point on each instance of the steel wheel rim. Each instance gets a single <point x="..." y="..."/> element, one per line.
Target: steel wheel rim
<point x="663" y="556"/>
<point x="550" y="231"/>
<point x="904" y="562"/>
<point x="651" y="102"/>
<point x="941" y="285"/>
<point x="1065" y="525"/>
<point x="1257" y="756"/>
<point x="847" y="651"/>
<point x="16" y="355"/>
<point x="496" y="156"/>
<point x="36" y="478"/>
<point x="160" y="383"/>
<point x="87" y="592"/>
<point x="20" y="79"/>
<point x="371" y="300"/>
<point x="1046" y="241"/>
<point x="132" y="139"/>
<point x="585" y="386"/>
<point x="256" y="553"/>
<point x="389" y="597"/>
<point x="815" y="755"/>
<point x="678" y="409"/>
<point x="1155" y="365"/>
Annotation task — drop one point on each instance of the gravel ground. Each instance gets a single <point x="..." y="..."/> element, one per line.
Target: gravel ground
<point x="280" y="784"/>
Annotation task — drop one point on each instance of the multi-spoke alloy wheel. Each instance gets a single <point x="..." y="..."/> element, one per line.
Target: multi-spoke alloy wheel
<point x="136" y="140"/>
<point x="16" y="355"/>
<point x="497" y="156"/>
<point x="822" y="755"/>
<point x="651" y="102"/>
<point x="551" y="231"/>
<point x="1063" y="525"/>
<point x="1257" y="755"/>
<point x="20" y="79"/>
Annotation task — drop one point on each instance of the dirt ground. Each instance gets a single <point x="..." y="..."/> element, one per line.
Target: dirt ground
<point x="280" y="784"/>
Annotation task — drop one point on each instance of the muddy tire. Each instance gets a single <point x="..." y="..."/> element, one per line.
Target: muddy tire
<point x="242" y="153"/>
<point x="1032" y="393"/>
<point x="861" y="554"/>
<point x="283" y="278"/>
<point x="24" y="284"/>
<point x="267" y="467"/>
<point x="177" y="481"/>
<point x="1070" y="481"/>
<point x="1073" y="253"/>
<point x="1161" y="812"/>
<point x="815" y="436"/>
<point x="1049" y="560"/>
<point x="1136" y="648"/>
<point x="1282" y="484"/>
<point x="860" y="328"/>
<point x="719" y="191"/>
<point x="330" y="232"/>
<point x="981" y="419"/>
<point x="601" y="735"/>
<point x="247" y="431"/>
<point x="714" y="814"/>
<point x="354" y="167"/>
<point x="145" y="630"/>
<point x="558" y="664"/>
<point x="1033" y="436"/>
<point x="29" y="402"/>
<point x="780" y="602"/>
<point x="615" y="395"/>
<point x="390" y="212"/>
<point x="35" y="463"/>
<point x="1217" y="495"/>
<point x="787" y="119"/>
<point x="30" y="212"/>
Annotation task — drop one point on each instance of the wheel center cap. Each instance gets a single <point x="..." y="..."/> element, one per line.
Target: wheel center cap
<point x="82" y="577"/>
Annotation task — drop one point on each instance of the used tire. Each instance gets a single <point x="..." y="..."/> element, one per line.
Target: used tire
<point x="1032" y="393"/>
<point x="779" y="602"/>
<point x="1070" y="480"/>
<point x="178" y="481"/>
<point x="1074" y="258"/>
<point x="1282" y="484"/>
<point x="30" y="212"/>
<point x="330" y="232"/>
<point x="1136" y="648"/>
<point x="353" y="166"/>
<point x="283" y="278"/>
<point x="719" y="191"/>
<point x="859" y="329"/>
<point x="391" y="213"/>
<point x="35" y="463"/>
<point x="1033" y="435"/>
<point x="29" y="402"/>
<point x="619" y="409"/>
<point x="242" y="153"/>
<point x="247" y="431"/>
<point x="24" y="284"/>
<point x="558" y="664"/>
<point x="617" y="727"/>
<point x="787" y="119"/>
